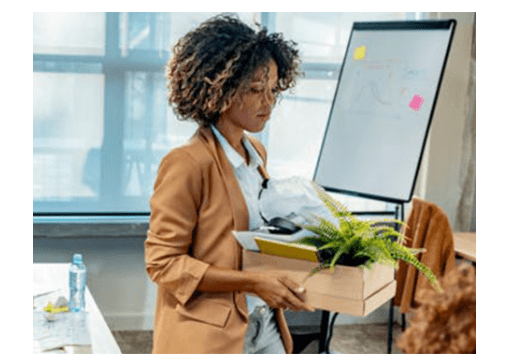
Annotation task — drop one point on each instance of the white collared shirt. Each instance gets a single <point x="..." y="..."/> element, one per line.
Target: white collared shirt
<point x="248" y="176"/>
<point x="250" y="181"/>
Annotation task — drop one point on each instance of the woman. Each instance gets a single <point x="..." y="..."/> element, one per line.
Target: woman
<point x="225" y="76"/>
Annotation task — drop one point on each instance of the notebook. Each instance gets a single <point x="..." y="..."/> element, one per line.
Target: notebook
<point x="290" y="250"/>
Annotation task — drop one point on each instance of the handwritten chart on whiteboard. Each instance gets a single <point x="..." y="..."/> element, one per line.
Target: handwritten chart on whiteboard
<point x="383" y="107"/>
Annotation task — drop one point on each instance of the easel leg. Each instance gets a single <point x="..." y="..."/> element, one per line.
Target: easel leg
<point x="390" y="326"/>
<point x="324" y="328"/>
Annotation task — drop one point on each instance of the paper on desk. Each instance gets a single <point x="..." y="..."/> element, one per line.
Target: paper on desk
<point x="68" y="329"/>
<point x="246" y="238"/>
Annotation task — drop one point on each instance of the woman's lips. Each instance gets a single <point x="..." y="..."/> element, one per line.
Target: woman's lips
<point x="264" y="112"/>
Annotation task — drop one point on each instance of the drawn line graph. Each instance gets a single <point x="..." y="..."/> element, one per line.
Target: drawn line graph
<point x="375" y="90"/>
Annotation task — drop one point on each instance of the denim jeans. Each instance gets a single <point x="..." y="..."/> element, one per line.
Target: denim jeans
<point x="263" y="336"/>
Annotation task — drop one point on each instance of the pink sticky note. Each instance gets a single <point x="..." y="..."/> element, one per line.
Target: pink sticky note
<point x="416" y="102"/>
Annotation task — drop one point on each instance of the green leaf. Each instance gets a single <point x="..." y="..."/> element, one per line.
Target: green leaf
<point x="333" y="244"/>
<point x="336" y="257"/>
<point x="313" y="241"/>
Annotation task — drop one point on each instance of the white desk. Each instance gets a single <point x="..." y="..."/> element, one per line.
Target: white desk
<point x="50" y="277"/>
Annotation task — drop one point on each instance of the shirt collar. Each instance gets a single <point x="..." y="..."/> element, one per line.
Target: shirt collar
<point x="234" y="158"/>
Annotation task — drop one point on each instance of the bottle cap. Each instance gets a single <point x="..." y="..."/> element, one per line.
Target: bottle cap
<point x="77" y="258"/>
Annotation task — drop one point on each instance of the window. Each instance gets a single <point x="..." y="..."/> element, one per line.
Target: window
<point x="101" y="122"/>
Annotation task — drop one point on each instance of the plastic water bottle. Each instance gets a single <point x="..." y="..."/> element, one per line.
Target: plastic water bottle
<point x="77" y="283"/>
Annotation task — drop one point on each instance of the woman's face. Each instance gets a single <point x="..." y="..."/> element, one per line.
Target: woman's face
<point x="251" y="110"/>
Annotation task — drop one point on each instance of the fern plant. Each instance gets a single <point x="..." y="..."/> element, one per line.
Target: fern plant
<point x="360" y="243"/>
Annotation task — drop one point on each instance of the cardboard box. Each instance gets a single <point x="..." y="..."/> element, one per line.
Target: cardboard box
<point x="347" y="290"/>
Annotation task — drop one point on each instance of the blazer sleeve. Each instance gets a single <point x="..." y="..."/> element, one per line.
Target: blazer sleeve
<point x="174" y="214"/>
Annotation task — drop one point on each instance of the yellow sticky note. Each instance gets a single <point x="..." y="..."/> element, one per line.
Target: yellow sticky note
<point x="360" y="52"/>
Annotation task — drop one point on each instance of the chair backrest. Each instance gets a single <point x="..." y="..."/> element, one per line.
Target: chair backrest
<point x="427" y="226"/>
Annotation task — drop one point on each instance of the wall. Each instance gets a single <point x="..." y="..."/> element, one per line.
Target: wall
<point x="441" y="176"/>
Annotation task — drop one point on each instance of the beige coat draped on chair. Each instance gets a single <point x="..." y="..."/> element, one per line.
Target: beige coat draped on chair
<point x="427" y="227"/>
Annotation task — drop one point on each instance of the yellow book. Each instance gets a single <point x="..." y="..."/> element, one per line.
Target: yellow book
<point x="290" y="250"/>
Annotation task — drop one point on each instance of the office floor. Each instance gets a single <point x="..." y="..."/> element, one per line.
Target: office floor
<point x="346" y="339"/>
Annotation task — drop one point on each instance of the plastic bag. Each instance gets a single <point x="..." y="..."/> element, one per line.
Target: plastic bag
<point x="294" y="198"/>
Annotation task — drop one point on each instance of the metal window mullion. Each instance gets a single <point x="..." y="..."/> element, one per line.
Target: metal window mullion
<point x="150" y="117"/>
<point x="112" y="149"/>
<point x="268" y="20"/>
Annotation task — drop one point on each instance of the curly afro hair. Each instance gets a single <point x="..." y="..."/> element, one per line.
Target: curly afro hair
<point x="445" y="322"/>
<point x="211" y="64"/>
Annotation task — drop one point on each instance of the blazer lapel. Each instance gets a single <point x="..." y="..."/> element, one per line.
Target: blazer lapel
<point x="236" y="198"/>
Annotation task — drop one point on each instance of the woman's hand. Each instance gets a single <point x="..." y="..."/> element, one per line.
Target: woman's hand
<point x="279" y="291"/>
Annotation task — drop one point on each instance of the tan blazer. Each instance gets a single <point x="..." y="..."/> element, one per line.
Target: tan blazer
<point x="427" y="227"/>
<point x="196" y="204"/>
